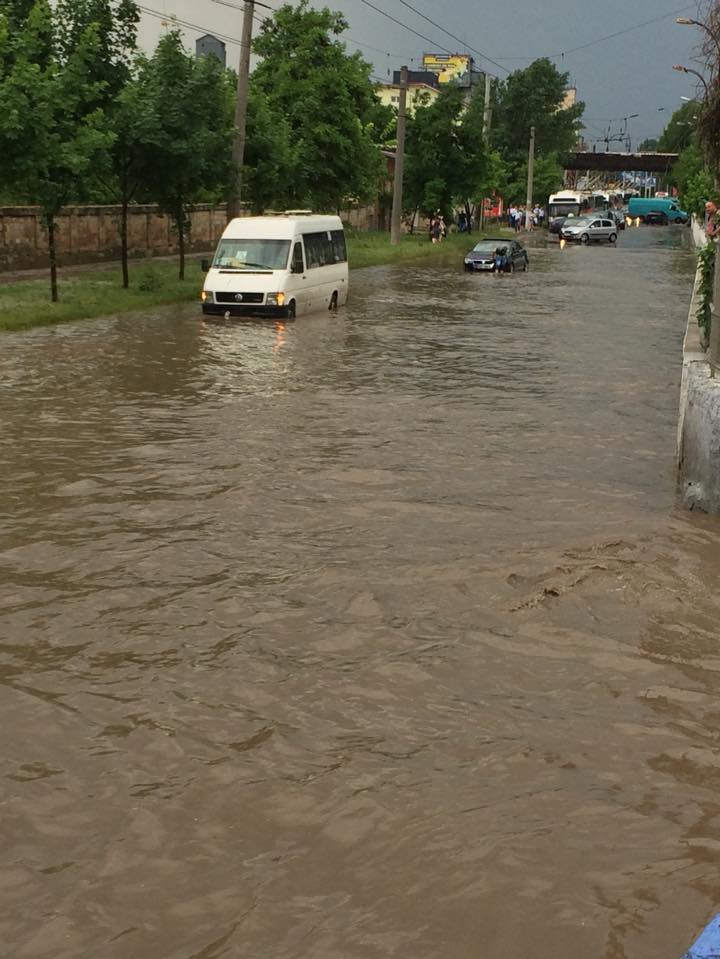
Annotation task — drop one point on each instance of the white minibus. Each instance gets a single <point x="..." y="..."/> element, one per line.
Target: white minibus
<point x="281" y="266"/>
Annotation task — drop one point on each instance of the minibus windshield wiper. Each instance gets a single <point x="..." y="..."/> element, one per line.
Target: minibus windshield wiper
<point x="245" y="266"/>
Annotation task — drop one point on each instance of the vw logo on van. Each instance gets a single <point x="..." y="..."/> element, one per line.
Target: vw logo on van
<point x="238" y="297"/>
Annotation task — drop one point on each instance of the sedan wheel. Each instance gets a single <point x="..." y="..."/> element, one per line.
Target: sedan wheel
<point x="584" y="238"/>
<point x="612" y="238"/>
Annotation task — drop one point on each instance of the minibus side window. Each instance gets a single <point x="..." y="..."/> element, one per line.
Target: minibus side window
<point x="318" y="249"/>
<point x="297" y="259"/>
<point x="339" y="248"/>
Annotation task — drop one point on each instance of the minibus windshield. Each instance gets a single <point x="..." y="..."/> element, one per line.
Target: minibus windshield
<point x="254" y="254"/>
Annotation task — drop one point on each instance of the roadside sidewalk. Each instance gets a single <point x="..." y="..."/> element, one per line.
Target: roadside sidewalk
<point x="78" y="269"/>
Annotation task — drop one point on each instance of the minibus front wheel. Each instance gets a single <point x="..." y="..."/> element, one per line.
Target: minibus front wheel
<point x="291" y="310"/>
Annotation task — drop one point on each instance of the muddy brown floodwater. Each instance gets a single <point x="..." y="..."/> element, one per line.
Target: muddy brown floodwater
<point x="374" y="635"/>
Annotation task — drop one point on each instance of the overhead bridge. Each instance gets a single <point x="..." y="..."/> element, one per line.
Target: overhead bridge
<point x="620" y="162"/>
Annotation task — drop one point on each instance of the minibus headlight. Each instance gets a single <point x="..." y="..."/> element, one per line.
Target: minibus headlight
<point x="276" y="299"/>
<point x="203" y="296"/>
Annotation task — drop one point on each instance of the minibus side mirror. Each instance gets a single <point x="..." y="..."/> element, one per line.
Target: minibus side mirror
<point x="205" y="266"/>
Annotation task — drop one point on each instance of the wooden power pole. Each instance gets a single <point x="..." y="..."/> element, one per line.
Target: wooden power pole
<point x="238" y="152"/>
<point x="396" y="220"/>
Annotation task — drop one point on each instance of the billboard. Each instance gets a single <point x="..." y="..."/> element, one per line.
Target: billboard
<point x="450" y="68"/>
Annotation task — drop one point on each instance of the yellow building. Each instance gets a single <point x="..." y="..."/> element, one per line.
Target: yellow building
<point x="419" y="95"/>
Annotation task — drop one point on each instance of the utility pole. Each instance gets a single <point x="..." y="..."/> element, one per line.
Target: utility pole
<point x="487" y="120"/>
<point x="396" y="220"/>
<point x="238" y="152"/>
<point x="531" y="172"/>
<point x="487" y="113"/>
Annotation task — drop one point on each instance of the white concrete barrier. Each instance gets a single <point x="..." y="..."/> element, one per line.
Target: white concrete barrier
<point x="698" y="232"/>
<point x="699" y="422"/>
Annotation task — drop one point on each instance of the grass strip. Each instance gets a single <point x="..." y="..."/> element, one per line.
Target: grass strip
<point x="93" y="293"/>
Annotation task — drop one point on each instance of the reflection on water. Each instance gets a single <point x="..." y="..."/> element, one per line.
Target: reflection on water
<point x="373" y="634"/>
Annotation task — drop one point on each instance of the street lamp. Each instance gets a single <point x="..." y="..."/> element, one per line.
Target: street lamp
<point x="687" y="22"/>
<point x="681" y="69"/>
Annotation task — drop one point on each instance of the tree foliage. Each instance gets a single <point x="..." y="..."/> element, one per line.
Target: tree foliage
<point x="535" y="97"/>
<point x="115" y="24"/>
<point x="51" y="129"/>
<point x="326" y="98"/>
<point x="681" y="129"/>
<point x="446" y="160"/>
<point x="179" y="122"/>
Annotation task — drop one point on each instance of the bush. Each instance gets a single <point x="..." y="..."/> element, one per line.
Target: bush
<point x="150" y="281"/>
<point x="706" y="264"/>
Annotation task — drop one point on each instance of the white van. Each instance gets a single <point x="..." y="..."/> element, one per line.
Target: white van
<point x="278" y="266"/>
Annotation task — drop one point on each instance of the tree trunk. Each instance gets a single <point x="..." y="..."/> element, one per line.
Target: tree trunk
<point x="181" y="243"/>
<point x="468" y="215"/>
<point x="124" y="243"/>
<point x="53" y="258"/>
<point x="124" y="232"/>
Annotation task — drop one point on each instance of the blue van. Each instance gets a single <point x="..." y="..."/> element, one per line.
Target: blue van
<point x="662" y="207"/>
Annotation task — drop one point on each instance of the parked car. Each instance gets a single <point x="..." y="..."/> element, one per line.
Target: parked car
<point x="483" y="256"/>
<point x="656" y="218"/>
<point x="590" y="229"/>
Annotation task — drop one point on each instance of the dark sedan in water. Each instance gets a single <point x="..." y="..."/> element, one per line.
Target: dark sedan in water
<point x="497" y="254"/>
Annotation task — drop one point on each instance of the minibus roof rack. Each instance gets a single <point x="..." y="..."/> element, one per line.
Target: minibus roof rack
<point x="298" y="213"/>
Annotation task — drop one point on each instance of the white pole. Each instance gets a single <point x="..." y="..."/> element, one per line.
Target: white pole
<point x="531" y="172"/>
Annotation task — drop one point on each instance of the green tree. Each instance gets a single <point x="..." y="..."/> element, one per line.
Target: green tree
<point x="270" y="156"/>
<point x="327" y="99"/>
<point x="179" y="122"/>
<point x="472" y="172"/>
<point x="51" y="131"/>
<point x="446" y="160"/>
<point x="547" y="178"/>
<point x="535" y="97"/>
<point x="649" y="146"/>
<point x="115" y="23"/>
<point x="16" y="13"/>
<point x="694" y="182"/>
<point x="681" y="129"/>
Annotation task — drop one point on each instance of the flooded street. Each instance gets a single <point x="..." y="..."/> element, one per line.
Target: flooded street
<point x="372" y="635"/>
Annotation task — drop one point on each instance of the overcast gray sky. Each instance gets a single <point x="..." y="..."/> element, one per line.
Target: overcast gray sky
<point x="630" y="73"/>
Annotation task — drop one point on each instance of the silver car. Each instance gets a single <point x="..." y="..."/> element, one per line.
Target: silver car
<point x="590" y="228"/>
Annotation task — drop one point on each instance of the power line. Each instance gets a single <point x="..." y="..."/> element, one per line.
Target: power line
<point x="447" y="33"/>
<point x="422" y="36"/>
<point x="610" y="36"/>
<point x="167" y="18"/>
<point x="621" y="33"/>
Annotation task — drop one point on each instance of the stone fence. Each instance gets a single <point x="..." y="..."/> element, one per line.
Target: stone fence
<point x="89" y="234"/>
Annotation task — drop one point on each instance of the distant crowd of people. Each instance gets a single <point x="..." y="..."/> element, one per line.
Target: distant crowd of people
<point x="516" y="219"/>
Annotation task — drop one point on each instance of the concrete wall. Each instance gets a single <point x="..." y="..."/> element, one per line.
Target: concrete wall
<point x="88" y="234"/>
<point x="699" y="423"/>
<point x="91" y="234"/>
